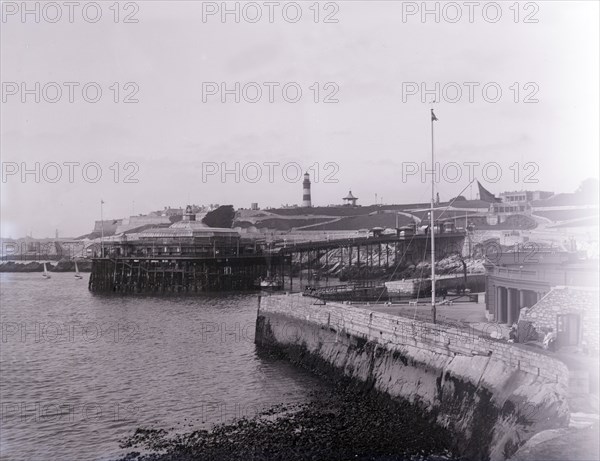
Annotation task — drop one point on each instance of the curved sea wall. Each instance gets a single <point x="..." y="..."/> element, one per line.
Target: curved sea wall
<point x="492" y="395"/>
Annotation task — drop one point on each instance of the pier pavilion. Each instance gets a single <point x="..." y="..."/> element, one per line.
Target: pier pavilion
<point x="187" y="256"/>
<point x="186" y="238"/>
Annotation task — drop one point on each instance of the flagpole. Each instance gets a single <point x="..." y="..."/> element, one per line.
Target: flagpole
<point x="432" y="225"/>
<point x="101" y="229"/>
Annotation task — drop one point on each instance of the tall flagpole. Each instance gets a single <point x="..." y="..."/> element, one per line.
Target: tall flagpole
<point x="432" y="225"/>
<point x="101" y="229"/>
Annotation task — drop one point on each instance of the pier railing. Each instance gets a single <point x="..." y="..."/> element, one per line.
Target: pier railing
<point x="356" y="241"/>
<point x="354" y="291"/>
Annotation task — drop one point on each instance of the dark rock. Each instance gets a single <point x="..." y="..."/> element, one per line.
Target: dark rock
<point x="345" y="423"/>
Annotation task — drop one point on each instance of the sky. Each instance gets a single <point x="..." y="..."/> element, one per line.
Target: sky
<point x="361" y="122"/>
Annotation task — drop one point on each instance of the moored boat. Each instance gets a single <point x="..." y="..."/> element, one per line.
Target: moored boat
<point x="273" y="283"/>
<point x="77" y="274"/>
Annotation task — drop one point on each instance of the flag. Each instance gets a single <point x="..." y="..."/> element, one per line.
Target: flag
<point x="433" y="117"/>
<point x="486" y="195"/>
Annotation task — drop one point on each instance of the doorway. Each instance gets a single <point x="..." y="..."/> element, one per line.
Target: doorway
<point x="567" y="330"/>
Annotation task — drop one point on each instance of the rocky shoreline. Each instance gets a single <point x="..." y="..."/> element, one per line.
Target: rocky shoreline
<point x="345" y="423"/>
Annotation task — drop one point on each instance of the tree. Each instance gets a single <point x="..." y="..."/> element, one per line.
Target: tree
<point x="221" y="217"/>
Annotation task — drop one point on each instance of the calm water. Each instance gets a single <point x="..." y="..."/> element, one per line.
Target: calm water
<point x="81" y="371"/>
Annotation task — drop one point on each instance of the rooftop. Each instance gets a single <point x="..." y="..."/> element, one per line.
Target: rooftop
<point x="188" y="229"/>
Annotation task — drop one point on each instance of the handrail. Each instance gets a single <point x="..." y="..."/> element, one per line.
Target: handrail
<point x="356" y="241"/>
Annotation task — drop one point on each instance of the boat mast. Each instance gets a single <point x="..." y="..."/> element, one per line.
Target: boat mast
<point x="432" y="225"/>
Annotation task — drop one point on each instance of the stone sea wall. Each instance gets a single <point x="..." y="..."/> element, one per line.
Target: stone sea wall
<point x="493" y="395"/>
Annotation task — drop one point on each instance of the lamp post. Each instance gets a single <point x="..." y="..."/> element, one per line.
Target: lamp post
<point x="432" y="225"/>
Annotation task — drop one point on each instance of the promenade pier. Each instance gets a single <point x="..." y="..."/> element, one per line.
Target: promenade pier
<point x="187" y="258"/>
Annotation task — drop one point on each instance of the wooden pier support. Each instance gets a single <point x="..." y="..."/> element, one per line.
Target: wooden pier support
<point x="182" y="274"/>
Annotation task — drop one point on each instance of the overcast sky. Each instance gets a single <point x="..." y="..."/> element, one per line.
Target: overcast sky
<point x="369" y="57"/>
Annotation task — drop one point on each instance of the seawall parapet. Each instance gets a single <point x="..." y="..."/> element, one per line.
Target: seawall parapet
<point x="493" y="395"/>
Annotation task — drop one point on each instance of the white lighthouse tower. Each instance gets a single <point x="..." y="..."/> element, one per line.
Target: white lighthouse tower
<point x="306" y="191"/>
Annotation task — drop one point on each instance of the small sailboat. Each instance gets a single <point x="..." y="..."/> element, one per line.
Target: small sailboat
<point x="77" y="274"/>
<point x="269" y="282"/>
<point x="46" y="275"/>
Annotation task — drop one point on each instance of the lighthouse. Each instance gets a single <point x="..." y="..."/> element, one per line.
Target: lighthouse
<point x="306" y="191"/>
